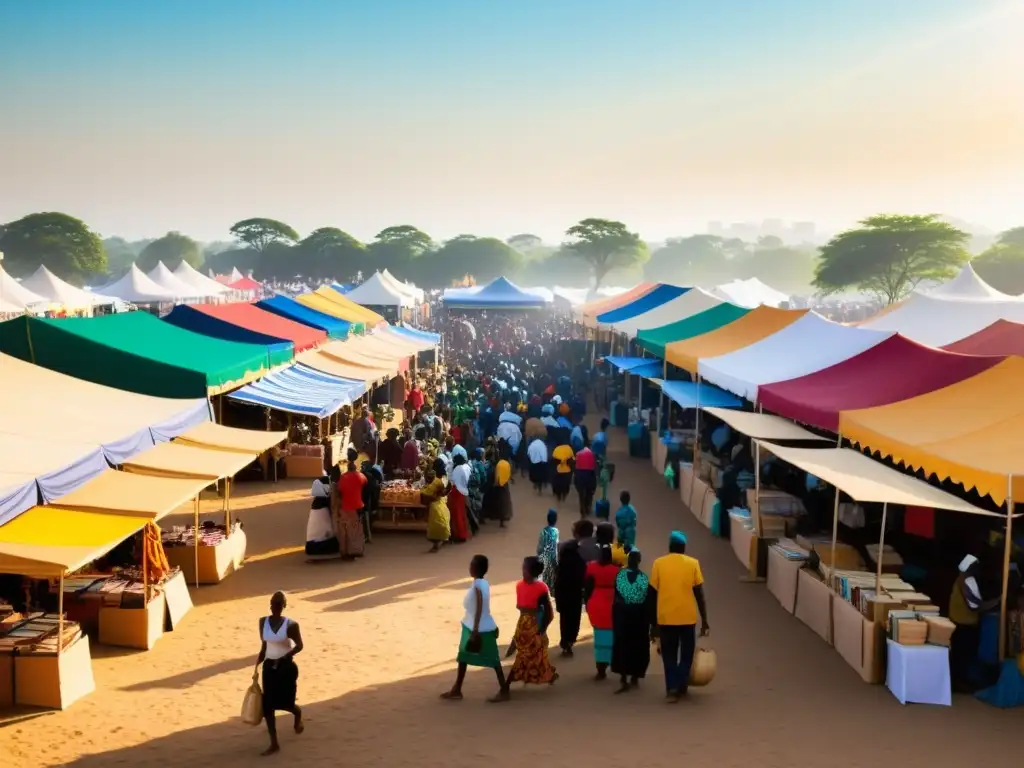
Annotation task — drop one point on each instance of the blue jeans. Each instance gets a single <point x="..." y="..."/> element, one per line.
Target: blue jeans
<point x="677" y="648"/>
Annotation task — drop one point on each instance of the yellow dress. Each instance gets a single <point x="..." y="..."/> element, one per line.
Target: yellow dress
<point x="439" y="521"/>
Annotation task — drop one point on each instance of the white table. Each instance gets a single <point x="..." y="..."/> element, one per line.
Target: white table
<point x="918" y="674"/>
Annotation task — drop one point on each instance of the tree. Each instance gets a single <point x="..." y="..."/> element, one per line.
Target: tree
<point x="889" y="255"/>
<point x="787" y="268"/>
<point x="329" y="253"/>
<point x="258" y="234"/>
<point x="242" y="259"/>
<point x="483" y="258"/>
<point x="63" y="243"/>
<point x="525" y="243"/>
<point x="394" y="248"/>
<point x="120" y="255"/>
<point x="172" y="249"/>
<point x="1002" y="264"/>
<point x="695" y="260"/>
<point x="606" y="245"/>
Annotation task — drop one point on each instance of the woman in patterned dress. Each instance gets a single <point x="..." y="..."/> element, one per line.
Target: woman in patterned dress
<point x="530" y="642"/>
<point x="631" y="623"/>
<point x="547" y="549"/>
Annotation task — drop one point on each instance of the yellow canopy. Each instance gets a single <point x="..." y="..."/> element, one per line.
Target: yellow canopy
<point x="748" y="329"/>
<point x="763" y="426"/>
<point x="971" y="432"/>
<point x="212" y="435"/>
<point x="182" y="460"/>
<point x="867" y="480"/>
<point x="322" y="361"/>
<point x="127" y="493"/>
<point x="49" y="541"/>
<point x="330" y="302"/>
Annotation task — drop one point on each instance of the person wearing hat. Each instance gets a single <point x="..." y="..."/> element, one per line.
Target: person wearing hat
<point x="965" y="609"/>
<point x="678" y="592"/>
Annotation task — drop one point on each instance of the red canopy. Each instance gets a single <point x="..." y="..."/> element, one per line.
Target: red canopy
<point x="245" y="284"/>
<point x="1003" y="337"/>
<point x="897" y="369"/>
<point x="252" y="318"/>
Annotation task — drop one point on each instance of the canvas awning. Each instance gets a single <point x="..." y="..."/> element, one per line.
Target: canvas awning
<point x="212" y="435"/>
<point x="864" y="479"/>
<point x="764" y="426"/>
<point x="592" y="309"/>
<point x="653" y="299"/>
<point x="173" y="284"/>
<point x="433" y="339"/>
<point x="628" y="363"/>
<point x="127" y="493"/>
<point x="404" y="288"/>
<point x="134" y="351"/>
<point x="688" y="394"/>
<point x="808" y="345"/>
<point x="938" y="320"/>
<point x="319" y="360"/>
<point x="247" y="323"/>
<point x="182" y="460"/>
<point x="303" y="390"/>
<point x="332" y="302"/>
<point x="686" y="305"/>
<point x="971" y="432"/>
<point x="752" y="327"/>
<point x="47" y="542"/>
<point x="1003" y="337"/>
<point x="293" y="310"/>
<point x="399" y="337"/>
<point x="655" y="340"/>
<point x="361" y="351"/>
<point x="136" y="287"/>
<point x="893" y="370"/>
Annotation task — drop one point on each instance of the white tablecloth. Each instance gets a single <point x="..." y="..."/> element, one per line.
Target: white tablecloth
<point x="918" y="674"/>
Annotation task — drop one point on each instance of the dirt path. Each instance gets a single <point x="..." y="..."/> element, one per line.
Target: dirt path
<point x="381" y="638"/>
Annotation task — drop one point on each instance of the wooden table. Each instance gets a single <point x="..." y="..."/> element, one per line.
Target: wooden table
<point x="400" y="516"/>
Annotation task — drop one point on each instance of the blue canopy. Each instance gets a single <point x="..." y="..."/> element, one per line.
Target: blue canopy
<point x="687" y="394"/>
<point x="654" y="369"/>
<point x="341" y="287"/>
<point x="300" y="313"/>
<point x="663" y="294"/>
<point x="498" y="294"/>
<point x="417" y="335"/>
<point x="301" y="389"/>
<point x="629" y="363"/>
<point x="194" y="319"/>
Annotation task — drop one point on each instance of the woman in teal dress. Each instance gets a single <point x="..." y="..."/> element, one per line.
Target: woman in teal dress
<point x="625" y="521"/>
<point x="632" y="614"/>
<point x="547" y="549"/>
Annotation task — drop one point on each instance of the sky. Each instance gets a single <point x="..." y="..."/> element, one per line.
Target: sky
<point x="461" y="116"/>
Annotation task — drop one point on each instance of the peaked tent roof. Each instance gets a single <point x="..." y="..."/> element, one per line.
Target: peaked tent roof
<point x="189" y="274"/>
<point x="44" y="283"/>
<point x="500" y="293"/>
<point x="968" y="286"/>
<point x="330" y="301"/>
<point x="248" y="324"/>
<point x="652" y="300"/>
<point x="15" y="295"/>
<point x="656" y="340"/>
<point x="291" y="309"/>
<point x="171" y="283"/>
<point x="135" y="351"/>
<point x="376" y="292"/>
<point x="971" y="432"/>
<point x="808" y="345"/>
<point x="592" y="309"/>
<point x="692" y="302"/>
<point x="245" y="284"/>
<point x="752" y="327"/>
<point x="896" y="369"/>
<point x="940" y="321"/>
<point x="301" y="389"/>
<point x="138" y="288"/>
<point x="750" y="293"/>
<point x="402" y="287"/>
<point x="1003" y="337"/>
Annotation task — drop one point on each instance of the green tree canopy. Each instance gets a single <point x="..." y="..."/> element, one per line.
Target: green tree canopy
<point x="258" y="234"/>
<point x="605" y="246"/>
<point x="120" y="254"/>
<point x="242" y="259"/>
<point x="696" y="260"/>
<point x="889" y="255"/>
<point x="172" y="249"/>
<point x="1002" y="264"/>
<point x="63" y="243"/>
<point x="394" y="248"/>
<point x="330" y="253"/>
<point x="785" y="267"/>
<point x="483" y="258"/>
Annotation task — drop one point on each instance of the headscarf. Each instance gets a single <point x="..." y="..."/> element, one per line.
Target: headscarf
<point x="677" y="537"/>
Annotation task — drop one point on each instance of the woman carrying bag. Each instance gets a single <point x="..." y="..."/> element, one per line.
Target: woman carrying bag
<point x="281" y="642"/>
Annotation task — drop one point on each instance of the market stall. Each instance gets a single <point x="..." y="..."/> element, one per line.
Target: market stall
<point x="400" y="508"/>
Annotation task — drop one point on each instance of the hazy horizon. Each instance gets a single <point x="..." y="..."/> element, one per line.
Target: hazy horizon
<point x="459" y="117"/>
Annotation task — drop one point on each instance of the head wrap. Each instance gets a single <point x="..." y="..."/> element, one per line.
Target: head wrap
<point x="548" y="410"/>
<point x="967" y="562"/>
<point x="552" y="516"/>
<point x="677" y="537"/>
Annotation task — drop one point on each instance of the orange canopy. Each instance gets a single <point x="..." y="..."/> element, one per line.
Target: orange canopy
<point x="744" y="331"/>
<point x="592" y="309"/>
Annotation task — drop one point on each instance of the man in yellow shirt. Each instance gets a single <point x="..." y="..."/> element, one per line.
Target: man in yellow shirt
<point x="679" y="591"/>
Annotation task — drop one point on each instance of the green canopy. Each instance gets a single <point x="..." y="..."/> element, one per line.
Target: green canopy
<point x="654" y="340"/>
<point x="134" y="351"/>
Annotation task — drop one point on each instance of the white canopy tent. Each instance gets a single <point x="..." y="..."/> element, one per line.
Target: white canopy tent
<point x="750" y="293"/>
<point x="937" y="321"/>
<point x="189" y="274"/>
<point x="56" y="291"/>
<point x="406" y="289"/>
<point x="806" y="346"/>
<point x="377" y="292"/>
<point x="137" y="288"/>
<point x="968" y="286"/>
<point x="14" y="297"/>
<point x="692" y="302"/>
<point x="170" y="282"/>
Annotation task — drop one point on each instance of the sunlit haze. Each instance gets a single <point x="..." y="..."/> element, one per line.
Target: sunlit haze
<point x="495" y="118"/>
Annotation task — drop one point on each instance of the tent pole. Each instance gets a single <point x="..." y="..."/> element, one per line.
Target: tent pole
<point x="664" y="398"/>
<point x="696" y="431"/>
<point x="195" y="547"/>
<point x="881" y="551"/>
<point x="757" y="485"/>
<point x="227" y="505"/>
<point x="60" y="614"/>
<point x="145" y="568"/>
<point x="835" y="530"/>
<point x="1007" y="551"/>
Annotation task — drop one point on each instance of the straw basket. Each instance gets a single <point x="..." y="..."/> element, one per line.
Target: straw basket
<point x="705" y="664"/>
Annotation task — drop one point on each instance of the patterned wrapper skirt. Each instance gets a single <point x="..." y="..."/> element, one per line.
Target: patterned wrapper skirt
<point x="486" y="656"/>
<point x="532" y="664"/>
<point x="603" y="641"/>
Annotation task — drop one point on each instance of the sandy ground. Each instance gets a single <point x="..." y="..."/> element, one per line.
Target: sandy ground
<point x="381" y="637"/>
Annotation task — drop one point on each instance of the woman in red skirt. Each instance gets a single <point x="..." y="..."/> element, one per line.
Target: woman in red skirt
<point x="457" y="498"/>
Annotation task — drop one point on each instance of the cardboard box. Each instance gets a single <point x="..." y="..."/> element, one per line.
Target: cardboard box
<point x="814" y="605"/>
<point x="697" y="498"/>
<point x="54" y="682"/>
<point x="783" y="578"/>
<point x="744" y="544"/>
<point x="177" y="599"/>
<point x="215" y="563"/>
<point x="133" y="627"/>
<point x="685" y="483"/>
<point x="859" y="641"/>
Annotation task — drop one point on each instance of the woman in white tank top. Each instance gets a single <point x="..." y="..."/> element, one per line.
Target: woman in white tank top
<point x="281" y="641"/>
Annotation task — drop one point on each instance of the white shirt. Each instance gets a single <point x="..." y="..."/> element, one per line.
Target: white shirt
<point x="460" y="479"/>
<point x="278" y="643"/>
<point x="510" y="433"/>
<point x="487" y="623"/>
<point x="537" y="452"/>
